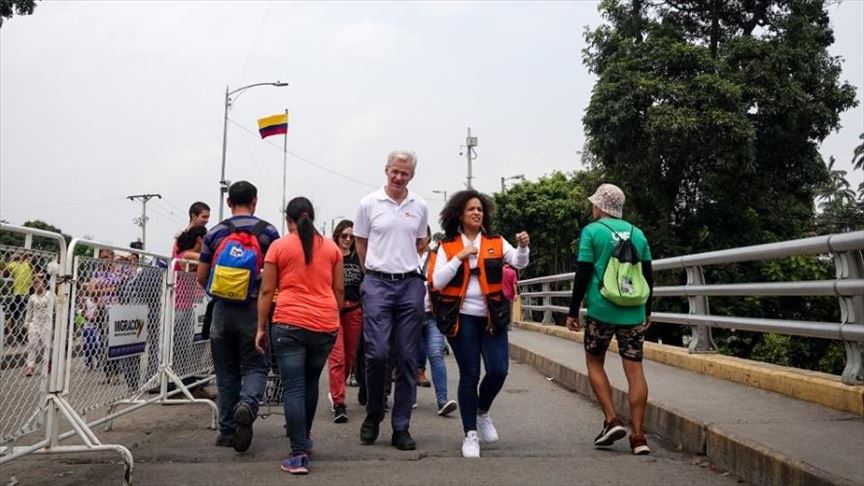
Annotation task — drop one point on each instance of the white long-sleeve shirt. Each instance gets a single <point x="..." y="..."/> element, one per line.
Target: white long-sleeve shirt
<point x="474" y="303"/>
<point x="40" y="310"/>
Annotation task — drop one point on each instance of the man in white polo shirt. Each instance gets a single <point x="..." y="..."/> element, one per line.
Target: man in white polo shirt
<point x="389" y="227"/>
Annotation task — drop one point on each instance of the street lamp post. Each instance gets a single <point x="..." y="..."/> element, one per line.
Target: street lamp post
<point x="520" y="177"/>
<point x="223" y="184"/>
<point x="441" y="192"/>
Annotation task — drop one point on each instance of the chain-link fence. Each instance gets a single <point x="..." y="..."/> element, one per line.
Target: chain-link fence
<point x="118" y="314"/>
<point x="191" y="357"/>
<point x="27" y="310"/>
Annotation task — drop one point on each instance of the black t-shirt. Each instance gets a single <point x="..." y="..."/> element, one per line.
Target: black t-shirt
<point x="353" y="276"/>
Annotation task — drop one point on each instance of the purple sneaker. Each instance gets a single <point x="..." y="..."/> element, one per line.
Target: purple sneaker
<point x="296" y="464"/>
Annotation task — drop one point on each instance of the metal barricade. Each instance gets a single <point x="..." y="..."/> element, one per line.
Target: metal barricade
<point x="110" y="340"/>
<point x="190" y="355"/>
<point x="118" y="310"/>
<point x="27" y="309"/>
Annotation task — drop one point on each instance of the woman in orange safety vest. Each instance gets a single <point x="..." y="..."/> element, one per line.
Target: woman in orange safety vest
<point x="471" y="309"/>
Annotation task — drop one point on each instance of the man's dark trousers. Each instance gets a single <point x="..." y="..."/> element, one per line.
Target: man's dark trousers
<point x="392" y="307"/>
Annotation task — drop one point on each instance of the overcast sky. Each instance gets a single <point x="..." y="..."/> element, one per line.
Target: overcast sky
<point x="101" y="100"/>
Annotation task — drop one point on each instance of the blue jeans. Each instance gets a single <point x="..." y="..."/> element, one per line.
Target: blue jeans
<point x="241" y="373"/>
<point x="471" y="343"/>
<point x="434" y="350"/>
<point x="301" y="355"/>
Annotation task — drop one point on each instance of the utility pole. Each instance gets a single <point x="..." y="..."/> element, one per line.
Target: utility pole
<point x="142" y="221"/>
<point x="470" y="143"/>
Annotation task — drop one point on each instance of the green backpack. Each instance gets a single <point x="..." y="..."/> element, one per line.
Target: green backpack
<point x="623" y="283"/>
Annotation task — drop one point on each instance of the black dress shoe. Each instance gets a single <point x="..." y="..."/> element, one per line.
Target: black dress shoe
<point x="402" y="440"/>
<point x="369" y="430"/>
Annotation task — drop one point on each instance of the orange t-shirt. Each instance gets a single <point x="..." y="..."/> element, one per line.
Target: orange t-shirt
<point x="306" y="296"/>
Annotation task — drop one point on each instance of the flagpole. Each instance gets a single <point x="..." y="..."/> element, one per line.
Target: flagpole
<point x="284" y="171"/>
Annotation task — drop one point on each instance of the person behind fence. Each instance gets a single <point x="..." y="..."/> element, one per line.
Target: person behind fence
<point x="230" y="271"/>
<point x="187" y="247"/>
<point x="38" y="319"/>
<point x="350" y="321"/>
<point x="614" y="269"/>
<point x="307" y="269"/>
<point x="389" y="228"/>
<point x="22" y="281"/>
<point x="142" y="287"/>
<point x="199" y="215"/>
<point x="432" y="342"/>
<point x="102" y="288"/>
<point x="472" y="310"/>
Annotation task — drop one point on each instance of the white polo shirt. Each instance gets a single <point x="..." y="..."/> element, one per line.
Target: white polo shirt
<point x="392" y="229"/>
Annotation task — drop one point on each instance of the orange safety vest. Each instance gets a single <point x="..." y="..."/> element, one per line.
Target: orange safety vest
<point x="490" y="273"/>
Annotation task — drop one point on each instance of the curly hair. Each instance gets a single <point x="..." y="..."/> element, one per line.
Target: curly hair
<point x="187" y="239"/>
<point x="451" y="215"/>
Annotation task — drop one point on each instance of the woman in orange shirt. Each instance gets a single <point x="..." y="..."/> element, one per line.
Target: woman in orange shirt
<point x="307" y="269"/>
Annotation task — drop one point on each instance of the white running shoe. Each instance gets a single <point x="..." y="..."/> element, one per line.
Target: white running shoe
<point x="486" y="429"/>
<point x="471" y="445"/>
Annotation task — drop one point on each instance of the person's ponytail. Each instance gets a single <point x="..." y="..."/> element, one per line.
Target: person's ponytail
<point x="301" y="212"/>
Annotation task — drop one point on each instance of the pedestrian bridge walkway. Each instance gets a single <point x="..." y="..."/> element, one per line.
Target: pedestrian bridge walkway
<point x="702" y="430"/>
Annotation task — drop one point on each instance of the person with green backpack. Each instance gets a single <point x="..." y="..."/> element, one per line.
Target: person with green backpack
<point x="614" y="270"/>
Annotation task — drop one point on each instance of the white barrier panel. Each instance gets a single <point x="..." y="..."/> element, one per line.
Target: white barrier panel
<point x="191" y="357"/>
<point x="27" y="311"/>
<point x="119" y="313"/>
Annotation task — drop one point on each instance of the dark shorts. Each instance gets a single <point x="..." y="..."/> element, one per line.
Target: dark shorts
<point x="599" y="334"/>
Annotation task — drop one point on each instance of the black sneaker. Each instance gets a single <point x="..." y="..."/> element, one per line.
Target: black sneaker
<point x="369" y="429"/>
<point x="340" y="415"/>
<point x="225" y="440"/>
<point x="243" y="436"/>
<point x="402" y="440"/>
<point x="612" y="431"/>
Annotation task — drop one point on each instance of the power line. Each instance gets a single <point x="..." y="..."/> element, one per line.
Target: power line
<point x="304" y="159"/>
<point x="49" y="206"/>
<point x="257" y="40"/>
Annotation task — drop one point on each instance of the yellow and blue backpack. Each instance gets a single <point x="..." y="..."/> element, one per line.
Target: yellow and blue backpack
<point x="237" y="264"/>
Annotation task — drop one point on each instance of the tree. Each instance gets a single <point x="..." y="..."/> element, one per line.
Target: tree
<point x="837" y="192"/>
<point x="552" y="210"/>
<point x="10" y="238"/>
<point x="858" y="155"/>
<point x="16" y="7"/>
<point x="709" y="115"/>
<point x="695" y="98"/>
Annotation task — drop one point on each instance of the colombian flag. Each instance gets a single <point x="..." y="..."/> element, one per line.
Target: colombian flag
<point x="273" y="125"/>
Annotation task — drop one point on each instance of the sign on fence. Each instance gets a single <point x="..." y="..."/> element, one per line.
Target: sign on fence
<point x="127" y="333"/>
<point x="198" y="328"/>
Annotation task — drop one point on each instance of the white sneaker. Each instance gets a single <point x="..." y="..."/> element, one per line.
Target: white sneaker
<point x="486" y="429"/>
<point x="471" y="445"/>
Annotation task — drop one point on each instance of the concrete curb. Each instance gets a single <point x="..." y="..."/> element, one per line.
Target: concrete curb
<point x="751" y="461"/>
<point x="810" y="386"/>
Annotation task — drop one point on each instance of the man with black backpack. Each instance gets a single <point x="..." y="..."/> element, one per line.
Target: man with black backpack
<point x="230" y="270"/>
<point x="614" y="268"/>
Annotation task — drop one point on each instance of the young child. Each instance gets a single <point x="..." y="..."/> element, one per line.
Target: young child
<point x="40" y="311"/>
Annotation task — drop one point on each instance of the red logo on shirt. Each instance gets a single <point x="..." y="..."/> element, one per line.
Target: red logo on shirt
<point x="409" y="215"/>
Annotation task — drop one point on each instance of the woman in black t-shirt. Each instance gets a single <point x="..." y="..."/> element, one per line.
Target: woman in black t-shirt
<point x="351" y="321"/>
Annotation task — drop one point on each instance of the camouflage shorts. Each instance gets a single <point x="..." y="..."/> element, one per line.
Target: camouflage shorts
<point x="599" y="334"/>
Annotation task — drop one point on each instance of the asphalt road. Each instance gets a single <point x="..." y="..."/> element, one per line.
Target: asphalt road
<point x="546" y="438"/>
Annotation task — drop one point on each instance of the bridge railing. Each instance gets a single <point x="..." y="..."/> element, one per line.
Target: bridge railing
<point x="536" y="295"/>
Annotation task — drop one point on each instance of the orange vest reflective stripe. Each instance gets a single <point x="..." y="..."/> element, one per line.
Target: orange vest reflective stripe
<point x="490" y="275"/>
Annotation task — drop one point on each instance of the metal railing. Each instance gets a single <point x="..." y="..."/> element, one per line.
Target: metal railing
<point x="847" y="287"/>
<point x="114" y="331"/>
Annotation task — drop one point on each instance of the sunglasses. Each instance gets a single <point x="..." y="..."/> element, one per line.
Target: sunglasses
<point x="346" y="237"/>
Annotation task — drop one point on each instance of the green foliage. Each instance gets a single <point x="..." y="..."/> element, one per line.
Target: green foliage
<point x="677" y="123"/>
<point x="15" y="7"/>
<point x="552" y="210"/>
<point x="709" y="115"/>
